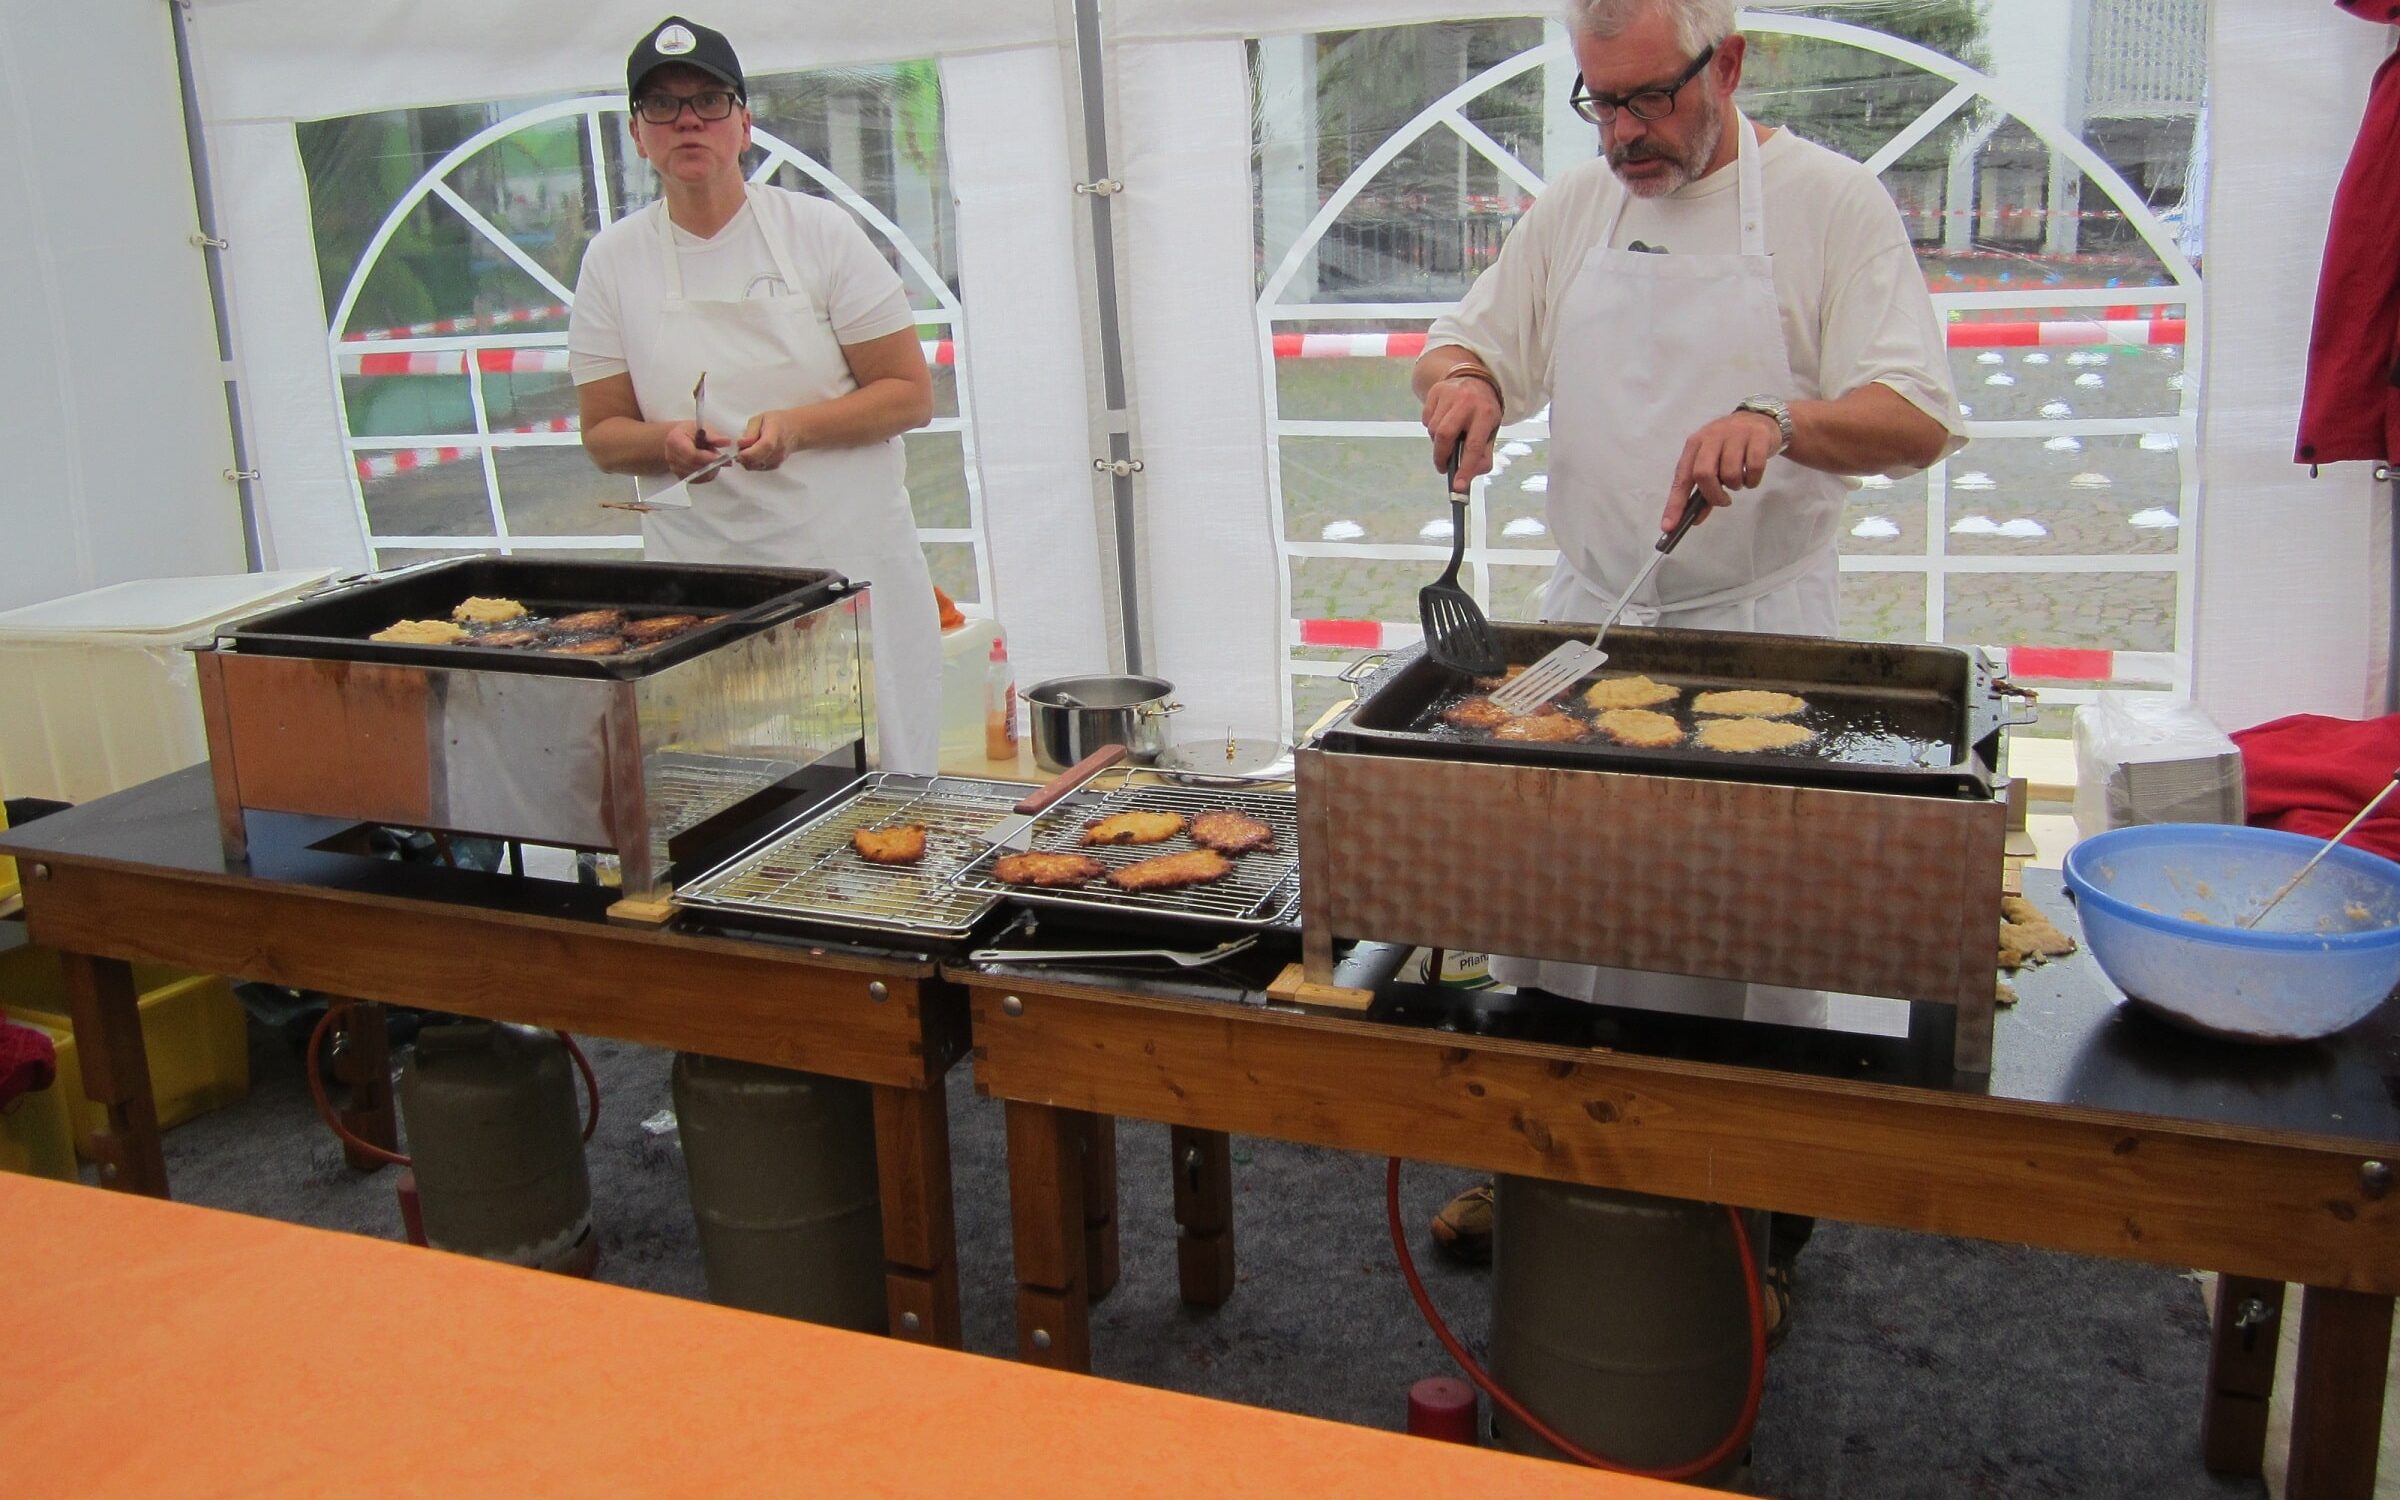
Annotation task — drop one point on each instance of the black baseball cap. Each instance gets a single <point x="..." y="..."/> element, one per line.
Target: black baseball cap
<point x="676" y="40"/>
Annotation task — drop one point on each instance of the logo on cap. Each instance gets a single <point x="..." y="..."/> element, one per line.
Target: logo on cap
<point x="674" y="41"/>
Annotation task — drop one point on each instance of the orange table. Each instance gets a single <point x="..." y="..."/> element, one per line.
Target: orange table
<point x="159" y="1349"/>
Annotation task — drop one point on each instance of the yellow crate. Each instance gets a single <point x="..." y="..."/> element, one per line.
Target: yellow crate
<point x="37" y="1135"/>
<point x="192" y="1029"/>
<point x="8" y="868"/>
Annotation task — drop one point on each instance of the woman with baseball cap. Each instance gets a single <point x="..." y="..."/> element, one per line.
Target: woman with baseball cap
<point x="812" y="370"/>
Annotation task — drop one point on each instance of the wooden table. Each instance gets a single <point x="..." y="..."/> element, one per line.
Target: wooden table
<point x="265" y="1371"/>
<point x="141" y="876"/>
<point x="2101" y="1131"/>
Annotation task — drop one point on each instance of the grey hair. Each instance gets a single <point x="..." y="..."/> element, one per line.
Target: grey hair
<point x="1698" y="23"/>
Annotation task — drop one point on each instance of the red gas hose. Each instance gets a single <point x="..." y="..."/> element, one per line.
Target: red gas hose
<point x="316" y="1088"/>
<point x="1734" y="1440"/>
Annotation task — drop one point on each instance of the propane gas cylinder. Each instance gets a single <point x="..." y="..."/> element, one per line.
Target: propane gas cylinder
<point x="1620" y="1320"/>
<point x="497" y="1141"/>
<point x="782" y="1168"/>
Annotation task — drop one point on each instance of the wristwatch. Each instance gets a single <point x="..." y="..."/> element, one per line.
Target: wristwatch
<point x="1775" y="407"/>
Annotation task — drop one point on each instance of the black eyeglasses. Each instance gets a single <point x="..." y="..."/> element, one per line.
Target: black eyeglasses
<point x="709" y="104"/>
<point x="1649" y="104"/>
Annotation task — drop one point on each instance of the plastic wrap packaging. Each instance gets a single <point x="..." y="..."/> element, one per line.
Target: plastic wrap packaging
<point x="2149" y="758"/>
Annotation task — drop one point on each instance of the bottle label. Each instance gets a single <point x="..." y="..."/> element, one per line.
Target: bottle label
<point x="1009" y="713"/>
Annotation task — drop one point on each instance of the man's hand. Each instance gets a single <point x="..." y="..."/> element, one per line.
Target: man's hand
<point x="771" y="437"/>
<point x="1728" y="454"/>
<point x="1461" y="409"/>
<point x="689" y="448"/>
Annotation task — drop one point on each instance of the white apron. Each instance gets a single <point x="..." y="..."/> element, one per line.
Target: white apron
<point x="1650" y="349"/>
<point x="840" y="508"/>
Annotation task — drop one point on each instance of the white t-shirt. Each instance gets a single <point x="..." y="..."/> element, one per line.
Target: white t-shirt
<point x="1854" y="303"/>
<point x="623" y="279"/>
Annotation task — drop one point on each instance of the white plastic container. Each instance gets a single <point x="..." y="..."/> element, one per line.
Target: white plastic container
<point x="966" y="660"/>
<point x="96" y="690"/>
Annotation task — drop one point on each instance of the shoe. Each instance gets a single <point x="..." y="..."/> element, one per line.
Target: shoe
<point x="1462" y="1231"/>
<point x="1775" y="1298"/>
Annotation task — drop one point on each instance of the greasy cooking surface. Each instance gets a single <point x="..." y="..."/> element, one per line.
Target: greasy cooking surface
<point x="1890" y="717"/>
<point x="338" y="624"/>
<point x="1262" y="891"/>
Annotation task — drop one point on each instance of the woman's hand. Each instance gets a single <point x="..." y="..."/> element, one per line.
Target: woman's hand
<point x="771" y="437"/>
<point x="689" y="447"/>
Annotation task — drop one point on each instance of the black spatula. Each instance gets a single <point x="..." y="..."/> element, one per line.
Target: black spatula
<point x="1456" y="633"/>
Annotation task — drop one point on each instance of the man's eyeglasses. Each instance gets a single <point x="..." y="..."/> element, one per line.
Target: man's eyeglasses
<point x="709" y="104"/>
<point x="1649" y="104"/>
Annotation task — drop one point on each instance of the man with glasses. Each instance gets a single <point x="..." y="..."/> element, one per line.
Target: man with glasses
<point x="755" y="342"/>
<point x="1714" y="307"/>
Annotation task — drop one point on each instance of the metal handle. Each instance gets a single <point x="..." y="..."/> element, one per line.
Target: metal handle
<point x="1355" y="674"/>
<point x="1072" y="777"/>
<point x="1156" y="710"/>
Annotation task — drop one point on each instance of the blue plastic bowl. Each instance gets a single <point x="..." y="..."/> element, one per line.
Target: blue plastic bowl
<point x="2159" y="904"/>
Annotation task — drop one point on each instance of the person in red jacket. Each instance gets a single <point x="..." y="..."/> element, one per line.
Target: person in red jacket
<point x="2351" y="409"/>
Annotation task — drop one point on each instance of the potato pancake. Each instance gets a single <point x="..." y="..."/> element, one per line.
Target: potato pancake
<point x="1048" y="870"/>
<point x="1544" y="729"/>
<point x="1750" y="703"/>
<point x="1749" y="736"/>
<point x="1134" y="828"/>
<point x="1642" y="728"/>
<point x="1629" y="692"/>
<point x="900" y="844"/>
<point x="421" y="633"/>
<point x="1231" y="832"/>
<point x="1172" y="871"/>
<point x="478" y="610"/>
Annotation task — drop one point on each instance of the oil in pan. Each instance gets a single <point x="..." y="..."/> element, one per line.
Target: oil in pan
<point x="1847" y="725"/>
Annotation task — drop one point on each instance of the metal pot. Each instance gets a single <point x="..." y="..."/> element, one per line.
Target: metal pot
<point x="1073" y="716"/>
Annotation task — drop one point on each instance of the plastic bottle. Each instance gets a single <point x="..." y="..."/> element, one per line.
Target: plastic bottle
<point x="999" y="705"/>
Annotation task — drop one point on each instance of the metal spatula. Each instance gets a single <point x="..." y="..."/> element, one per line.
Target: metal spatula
<point x="1456" y="633"/>
<point x="1570" y="662"/>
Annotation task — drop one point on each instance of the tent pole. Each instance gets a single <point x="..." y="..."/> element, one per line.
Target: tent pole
<point x="212" y="248"/>
<point x="1121" y="463"/>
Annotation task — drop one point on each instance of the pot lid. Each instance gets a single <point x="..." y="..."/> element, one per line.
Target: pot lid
<point x="1229" y="758"/>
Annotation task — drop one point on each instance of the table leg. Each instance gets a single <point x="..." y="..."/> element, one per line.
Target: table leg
<point x="1204" y="1207"/>
<point x="2337" y="1398"/>
<point x="363" y="1062"/>
<point x="1100" y="1206"/>
<point x="1045" y="1205"/>
<point x="2241" y="1375"/>
<point x="116" y="1073"/>
<point x="920" y="1234"/>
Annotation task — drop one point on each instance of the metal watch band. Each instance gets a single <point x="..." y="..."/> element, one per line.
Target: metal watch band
<point x="1779" y="411"/>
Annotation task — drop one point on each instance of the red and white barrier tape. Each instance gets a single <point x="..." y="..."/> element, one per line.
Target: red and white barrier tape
<point x="405" y="460"/>
<point x="478" y="323"/>
<point x="2025" y="663"/>
<point x="2014" y="334"/>
<point x="517" y="361"/>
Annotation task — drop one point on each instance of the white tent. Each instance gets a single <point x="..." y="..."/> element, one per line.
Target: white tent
<point x="124" y="458"/>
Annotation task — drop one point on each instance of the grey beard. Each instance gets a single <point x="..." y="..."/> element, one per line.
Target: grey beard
<point x="1687" y="168"/>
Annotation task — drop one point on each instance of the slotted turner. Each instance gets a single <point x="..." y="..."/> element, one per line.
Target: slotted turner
<point x="1456" y="633"/>
<point x="1570" y="662"/>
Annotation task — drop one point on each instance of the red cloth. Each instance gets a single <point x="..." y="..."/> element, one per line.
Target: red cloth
<point x="2311" y="774"/>
<point x="2351" y="408"/>
<point x="28" y="1063"/>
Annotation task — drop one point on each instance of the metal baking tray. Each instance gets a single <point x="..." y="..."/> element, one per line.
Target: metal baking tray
<point x="806" y="871"/>
<point x="1890" y="717"/>
<point x="1262" y="892"/>
<point x="337" y="623"/>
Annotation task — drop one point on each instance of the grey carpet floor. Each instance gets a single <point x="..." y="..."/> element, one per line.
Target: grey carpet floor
<point x="1916" y="1367"/>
